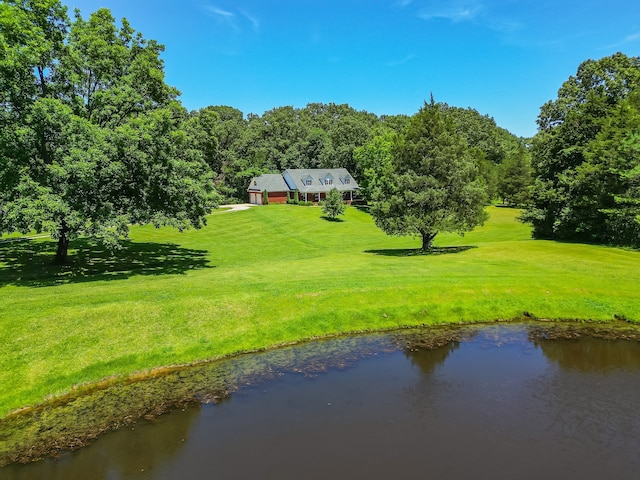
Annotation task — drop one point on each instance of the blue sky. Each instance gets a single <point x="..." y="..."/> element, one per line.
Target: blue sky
<point x="504" y="58"/>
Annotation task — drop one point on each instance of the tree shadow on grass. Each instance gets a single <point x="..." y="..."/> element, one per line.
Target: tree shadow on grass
<point x="361" y="207"/>
<point x="30" y="263"/>
<point x="410" y="252"/>
<point x="329" y="219"/>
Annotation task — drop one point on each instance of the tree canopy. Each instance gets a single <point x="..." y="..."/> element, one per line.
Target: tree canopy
<point x="91" y="136"/>
<point x="432" y="183"/>
<point x="585" y="158"/>
<point x="515" y="178"/>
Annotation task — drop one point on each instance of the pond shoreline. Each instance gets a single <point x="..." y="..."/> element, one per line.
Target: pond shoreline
<point x="74" y="420"/>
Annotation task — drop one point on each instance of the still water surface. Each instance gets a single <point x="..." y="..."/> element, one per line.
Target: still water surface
<point x="494" y="405"/>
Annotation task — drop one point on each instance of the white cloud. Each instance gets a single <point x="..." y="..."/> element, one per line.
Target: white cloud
<point x="505" y="25"/>
<point x="628" y="39"/>
<point x="455" y="14"/>
<point x="484" y="14"/>
<point x="397" y="63"/>
<point x="255" y="23"/>
<point x="219" y="12"/>
<point x="237" y="20"/>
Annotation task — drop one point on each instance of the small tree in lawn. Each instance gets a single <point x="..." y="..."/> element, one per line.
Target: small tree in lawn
<point x="432" y="184"/>
<point x="334" y="204"/>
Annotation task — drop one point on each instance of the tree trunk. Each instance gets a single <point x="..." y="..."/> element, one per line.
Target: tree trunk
<point x="63" y="245"/>
<point x="427" y="241"/>
<point x="61" y="253"/>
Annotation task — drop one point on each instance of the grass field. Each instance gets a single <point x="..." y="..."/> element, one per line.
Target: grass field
<point x="271" y="275"/>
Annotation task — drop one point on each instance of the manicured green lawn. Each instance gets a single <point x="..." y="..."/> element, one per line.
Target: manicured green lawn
<point x="271" y="275"/>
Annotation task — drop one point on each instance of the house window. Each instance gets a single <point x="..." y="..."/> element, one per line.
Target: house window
<point x="328" y="181"/>
<point x="307" y="182"/>
<point x="347" y="181"/>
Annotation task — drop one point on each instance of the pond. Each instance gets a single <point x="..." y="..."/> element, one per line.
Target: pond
<point x="496" y="402"/>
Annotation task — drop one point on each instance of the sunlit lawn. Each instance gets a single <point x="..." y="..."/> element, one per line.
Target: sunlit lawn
<point x="272" y="275"/>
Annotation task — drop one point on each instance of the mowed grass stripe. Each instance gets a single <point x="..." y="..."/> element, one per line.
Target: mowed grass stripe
<point x="277" y="274"/>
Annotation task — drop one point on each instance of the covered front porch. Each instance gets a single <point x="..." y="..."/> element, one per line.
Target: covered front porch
<point x="317" y="197"/>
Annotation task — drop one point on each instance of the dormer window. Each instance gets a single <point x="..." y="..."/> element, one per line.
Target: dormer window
<point x="308" y="181"/>
<point x="328" y="181"/>
<point x="347" y="180"/>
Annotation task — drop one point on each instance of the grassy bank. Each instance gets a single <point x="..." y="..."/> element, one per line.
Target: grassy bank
<point x="271" y="275"/>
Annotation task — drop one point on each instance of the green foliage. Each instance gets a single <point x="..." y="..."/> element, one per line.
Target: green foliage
<point x="265" y="198"/>
<point x="432" y="183"/>
<point x="582" y="159"/>
<point x="515" y="178"/>
<point x="481" y="133"/>
<point x="490" y="144"/>
<point x="93" y="136"/>
<point x="612" y="172"/>
<point x="373" y="158"/>
<point x="295" y="200"/>
<point x="333" y="204"/>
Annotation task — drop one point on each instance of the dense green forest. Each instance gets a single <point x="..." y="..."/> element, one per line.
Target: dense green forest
<point x="586" y="156"/>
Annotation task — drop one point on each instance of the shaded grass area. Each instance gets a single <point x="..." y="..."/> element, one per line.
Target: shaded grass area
<point x="281" y="274"/>
<point x="28" y="262"/>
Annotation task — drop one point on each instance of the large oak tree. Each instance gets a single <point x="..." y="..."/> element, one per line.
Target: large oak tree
<point x="91" y="135"/>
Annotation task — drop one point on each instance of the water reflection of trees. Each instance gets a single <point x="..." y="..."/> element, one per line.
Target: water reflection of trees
<point x="429" y="348"/>
<point x="122" y="454"/>
<point x="591" y="355"/>
<point x="428" y="360"/>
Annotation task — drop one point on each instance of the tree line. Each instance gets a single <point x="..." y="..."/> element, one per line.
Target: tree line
<point x="330" y="136"/>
